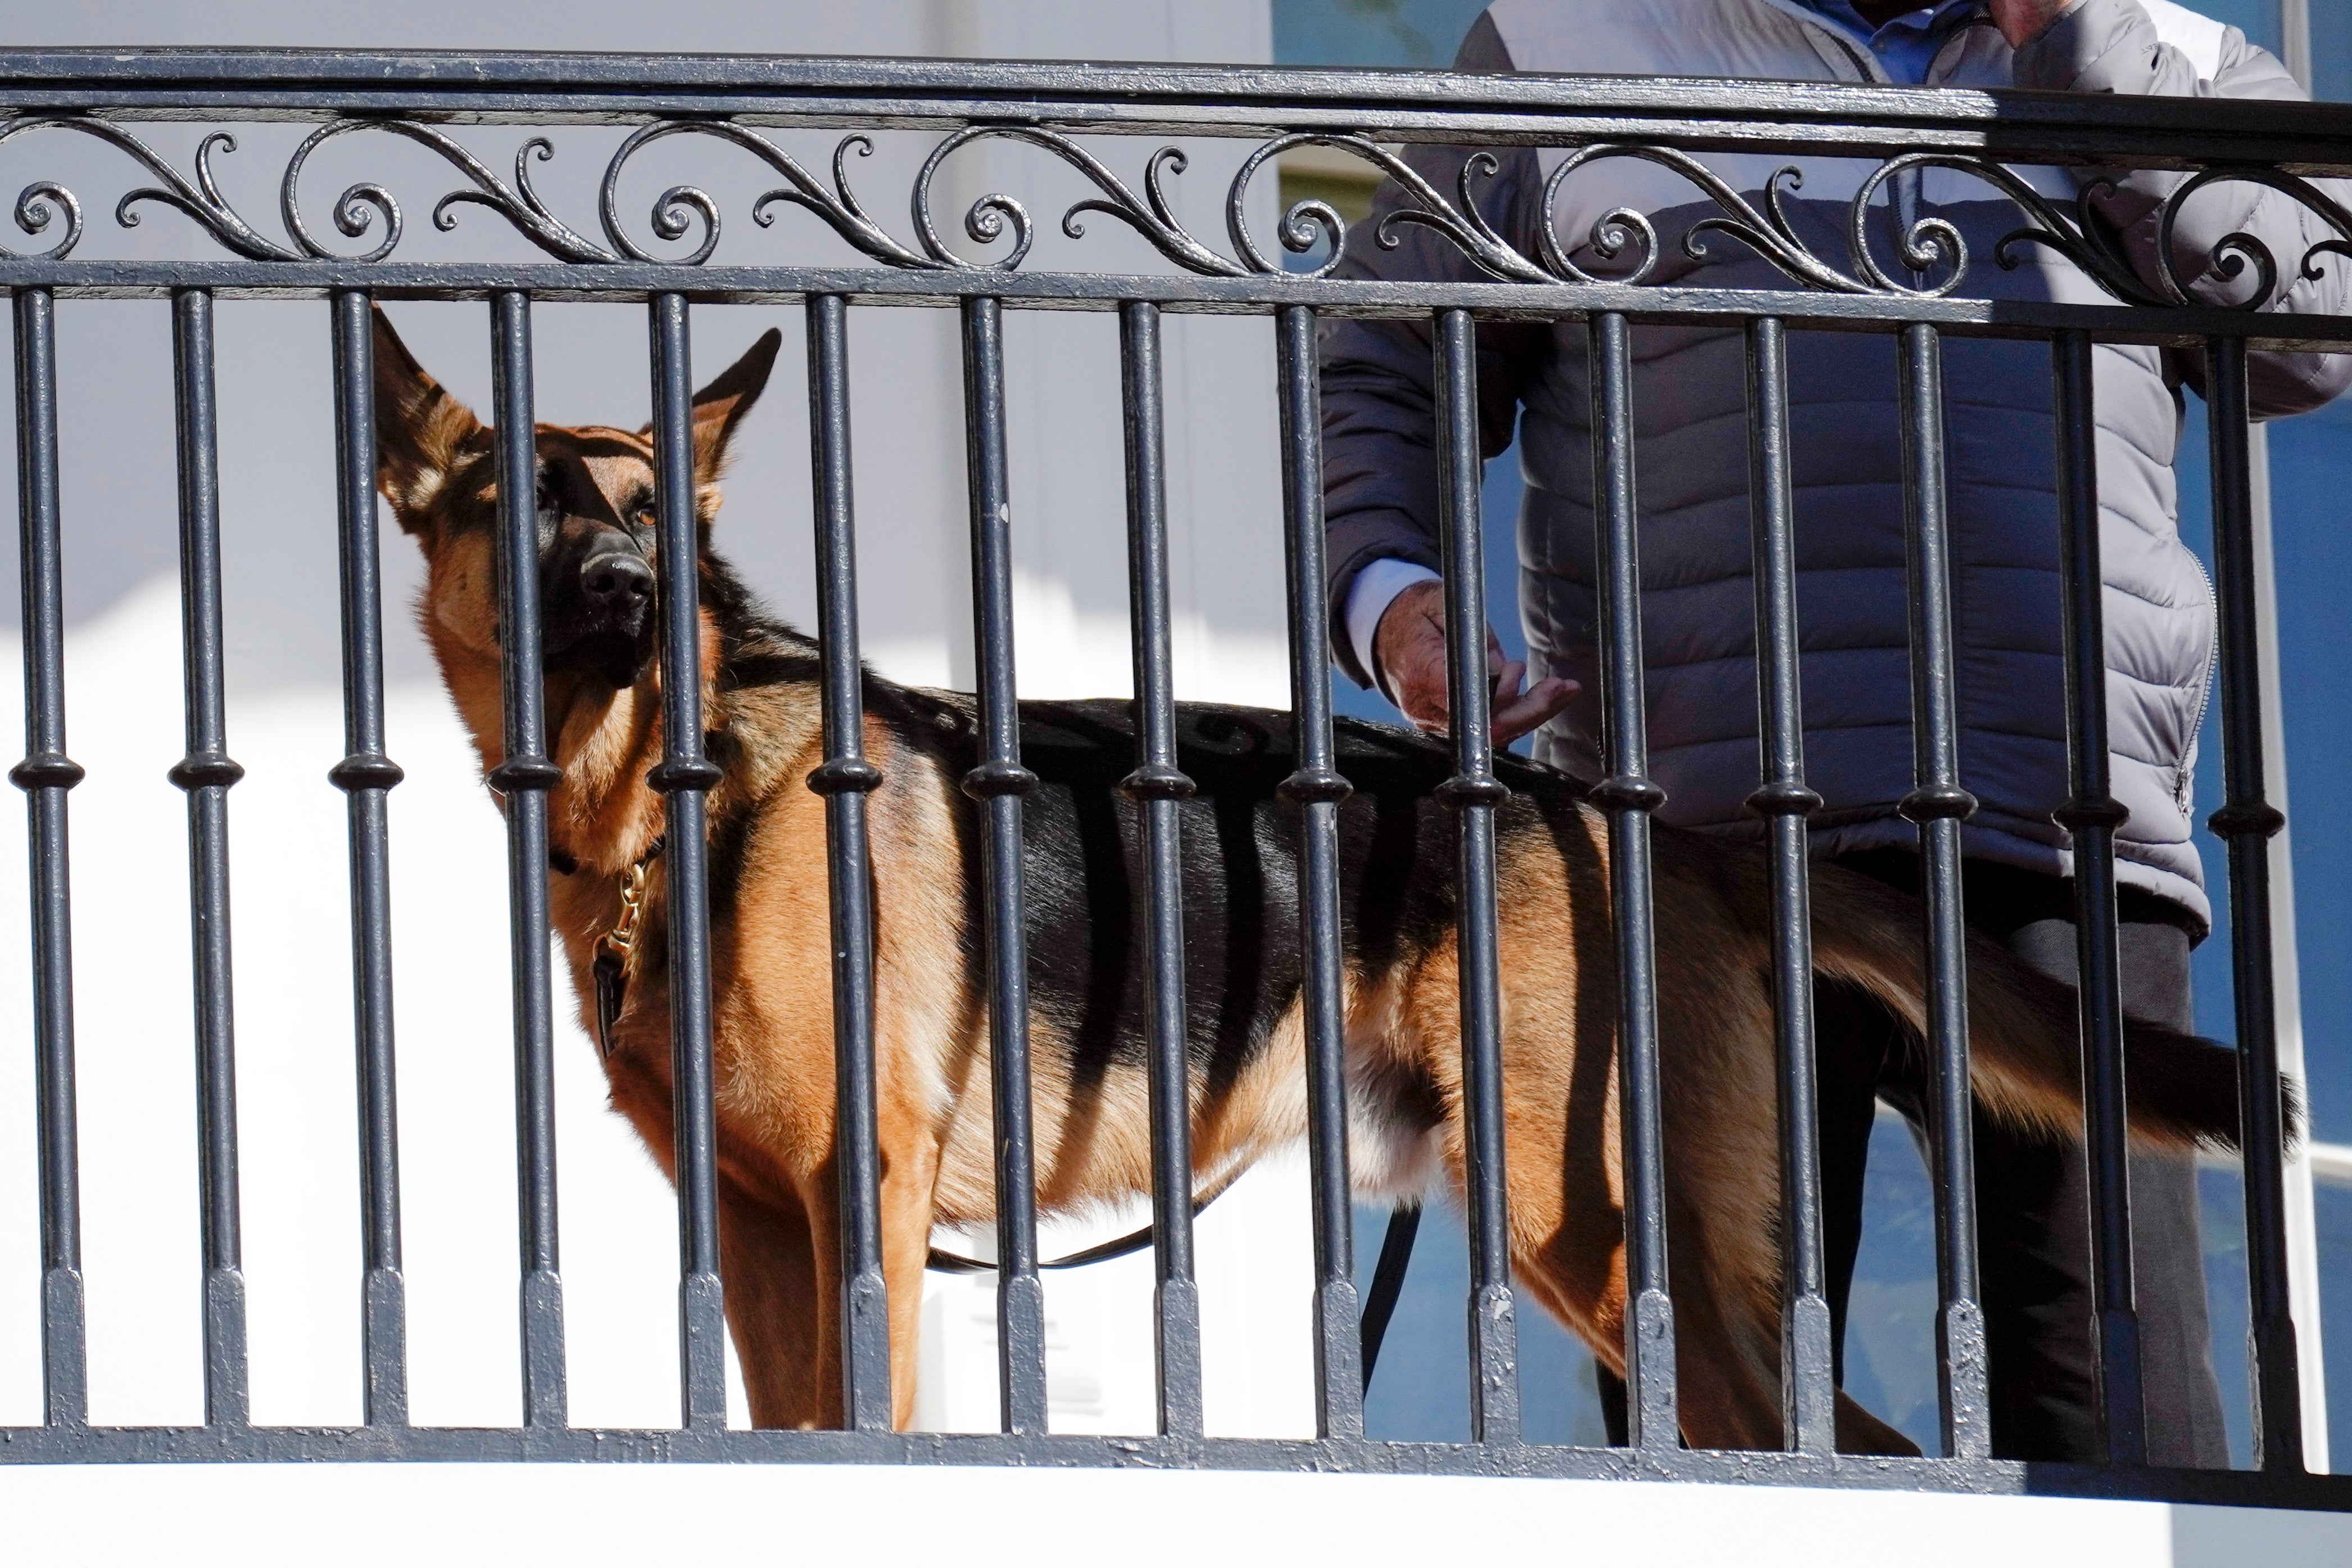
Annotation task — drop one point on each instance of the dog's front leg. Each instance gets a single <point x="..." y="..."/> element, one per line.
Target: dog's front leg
<point x="776" y="1295"/>
<point x="908" y="1169"/>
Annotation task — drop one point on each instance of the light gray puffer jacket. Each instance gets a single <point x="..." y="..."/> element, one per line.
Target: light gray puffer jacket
<point x="1689" y="407"/>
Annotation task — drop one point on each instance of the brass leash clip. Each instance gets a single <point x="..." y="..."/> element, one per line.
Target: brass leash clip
<point x="620" y="942"/>
<point x="617" y="951"/>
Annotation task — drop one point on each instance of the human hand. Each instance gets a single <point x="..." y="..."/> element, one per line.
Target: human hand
<point x="1410" y="646"/>
<point x="2022" y="21"/>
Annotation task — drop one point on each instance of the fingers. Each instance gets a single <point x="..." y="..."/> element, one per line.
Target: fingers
<point x="1411" y="647"/>
<point x="1512" y="713"/>
<point x="1531" y="709"/>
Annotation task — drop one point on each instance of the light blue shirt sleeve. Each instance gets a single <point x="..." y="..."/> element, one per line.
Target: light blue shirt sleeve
<point x="1375" y="588"/>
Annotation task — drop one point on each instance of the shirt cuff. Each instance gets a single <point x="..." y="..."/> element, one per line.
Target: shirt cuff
<point x="1375" y="588"/>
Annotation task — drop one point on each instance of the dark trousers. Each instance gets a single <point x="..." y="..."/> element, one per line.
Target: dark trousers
<point x="2033" y="1198"/>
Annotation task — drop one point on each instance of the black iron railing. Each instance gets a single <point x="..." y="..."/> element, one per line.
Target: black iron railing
<point x="1072" y="113"/>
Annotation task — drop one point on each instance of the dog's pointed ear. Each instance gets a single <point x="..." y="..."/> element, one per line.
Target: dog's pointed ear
<point x="720" y="407"/>
<point x="421" y="432"/>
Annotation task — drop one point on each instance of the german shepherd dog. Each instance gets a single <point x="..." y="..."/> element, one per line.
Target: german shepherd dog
<point x="771" y="946"/>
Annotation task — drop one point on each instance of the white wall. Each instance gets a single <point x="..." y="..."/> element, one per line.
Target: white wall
<point x="294" y="1044"/>
<point x="632" y="1514"/>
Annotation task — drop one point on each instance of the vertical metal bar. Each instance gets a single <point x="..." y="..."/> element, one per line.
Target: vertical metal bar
<point x="2092" y="815"/>
<point x="999" y="783"/>
<point x="1808" y="1376"/>
<point x="1937" y="805"/>
<point x="2247" y="821"/>
<point x="844" y="778"/>
<point x="206" y="773"/>
<point x="44" y="775"/>
<point x="1473" y="792"/>
<point x="1157" y="785"/>
<point x="1316" y="787"/>
<point x="685" y="776"/>
<point x="366" y="775"/>
<point x="1627" y="795"/>
<point x="524" y="777"/>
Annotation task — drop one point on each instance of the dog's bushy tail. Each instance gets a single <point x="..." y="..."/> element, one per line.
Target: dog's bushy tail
<point x="2180" y="1091"/>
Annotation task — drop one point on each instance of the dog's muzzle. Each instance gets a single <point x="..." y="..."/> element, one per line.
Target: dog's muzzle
<point x="600" y="620"/>
<point x="619" y="585"/>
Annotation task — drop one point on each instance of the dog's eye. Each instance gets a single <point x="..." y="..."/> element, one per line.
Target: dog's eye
<point x="647" y="518"/>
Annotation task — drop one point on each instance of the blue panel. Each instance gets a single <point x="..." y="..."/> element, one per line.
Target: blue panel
<point x="1370" y="32"/>
<point x="1890" y="1336"/>
<point x="2331" y="49"/>
<point x="2309" y="482"/>
<point x="2313" y="553"/>
<point x="1422" y="1391"/>
<point x="2258" y="19"/>
<point x="2311" y="475"/>
<point x="2335" y="1224"/>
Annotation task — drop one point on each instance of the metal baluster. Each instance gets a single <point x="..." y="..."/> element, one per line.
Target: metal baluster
<point x="44" y="775"/>
<point x="365" y="775"/>
<point x="2247" y="821"/>
<point x="1629" y="796"/>
<point x="685" y="776"/>
<point x="999" y="783"/>
<point x="2092" y="815"/>
<point x="844" y="778"/>
<point x="525" y="777"/>
<point x="1473" y="792"/>
<point x="1938" y="805"/>
<point x="1157" y="785"/>
<point x="206" y="773"/>
<point x="1316" y="789"/>
<point x="1807" y="1385"/>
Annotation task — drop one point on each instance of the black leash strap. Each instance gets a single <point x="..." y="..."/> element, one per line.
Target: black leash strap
<point x="615" y="955"/>
<point x="1388" y="1282"/>
<point x="1102" y="1252"/>
<point x="1388" y="1276"/>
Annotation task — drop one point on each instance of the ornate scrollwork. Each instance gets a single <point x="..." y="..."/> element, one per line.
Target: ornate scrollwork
<point x="201" y="200"/>
<point x="2233" y="252"/>
<point x="1151" y="215"/>
<point x="33" y="216"/>
<point x="838" y="207"/>
<point x="357" y="207"/>
<point x="1306" y="221"/>
<point x="1931" y="259"/>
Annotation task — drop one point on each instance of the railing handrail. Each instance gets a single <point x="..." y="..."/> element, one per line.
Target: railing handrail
<point x="491" y="86"/>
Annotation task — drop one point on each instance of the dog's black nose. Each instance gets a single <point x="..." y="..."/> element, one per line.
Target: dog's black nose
<point x="616" y="580"/>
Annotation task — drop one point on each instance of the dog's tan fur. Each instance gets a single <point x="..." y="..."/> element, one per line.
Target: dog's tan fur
<point x="773" y="1016"/>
